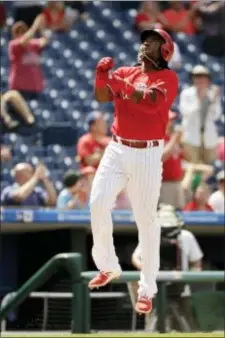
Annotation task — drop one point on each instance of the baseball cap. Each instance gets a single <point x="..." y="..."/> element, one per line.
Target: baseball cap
<point x="92" y="117"/>
<point x="71" y="177"/>
<point x="220" y="176"/>
<point x="200" y="70"/>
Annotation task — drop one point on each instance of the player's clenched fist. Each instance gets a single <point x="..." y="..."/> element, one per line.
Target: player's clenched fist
<point x="105" y="64"/>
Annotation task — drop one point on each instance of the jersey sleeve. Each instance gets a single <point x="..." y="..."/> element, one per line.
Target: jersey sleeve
<point x="166" y="88"/>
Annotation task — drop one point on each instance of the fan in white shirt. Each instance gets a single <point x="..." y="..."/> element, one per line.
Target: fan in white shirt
<point x="216" y="200"/>
<point x="200" y="107"/>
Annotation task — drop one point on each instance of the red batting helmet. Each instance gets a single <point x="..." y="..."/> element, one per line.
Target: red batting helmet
<point x="167" y="48"/>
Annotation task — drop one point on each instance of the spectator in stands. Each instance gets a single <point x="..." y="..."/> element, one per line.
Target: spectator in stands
<point x="12" y="101"/>
<point x="220" y="149"/>
<point x="54" y="17"/>
<point x="27" y="11"/>
<point x="212" y="14"/>
<point x="6" y="154"/>
<point x="216" y="200"/>
<point x="179" y="19"/>
<point x="75" y="192"/>
<point x="2" y="15"/>
<point x="171" y="191"/>
<point x="200" y="198"/>
<point x="91" y="146"/>
<point x="149" y="16"/>
<point x="194" y="175"/>
<point x="25" y="73"/>
<point x="200" y="107"/>
<point x="26" y="192"/>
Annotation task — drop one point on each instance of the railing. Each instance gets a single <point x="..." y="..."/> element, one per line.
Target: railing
<point x="73" y="263"/>
<point x="45" y="296"/>
<point x="81" y="309"/>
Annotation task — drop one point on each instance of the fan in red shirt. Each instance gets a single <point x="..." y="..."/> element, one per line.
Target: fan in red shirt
<point x="54" y="18"/>
<point x="171" y="191"/>
<point x="179" y="19"/>
<point x="149" y="16"/>
<point x="25" y="73"/>
<point x="132" y="161"/>
<point x="91" y="146"/>
<point x="200" y="199"/>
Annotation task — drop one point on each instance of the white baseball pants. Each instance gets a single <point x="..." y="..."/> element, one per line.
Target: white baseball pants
<point x="139" y="171"/>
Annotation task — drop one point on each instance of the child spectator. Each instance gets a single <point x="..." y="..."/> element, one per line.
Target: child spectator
<point x="75" y="192"/>
<point x="25" y="73"/>
<point x="199" y="201"/>
<point x="216" y="200"/>
<point x="91" y="146"/>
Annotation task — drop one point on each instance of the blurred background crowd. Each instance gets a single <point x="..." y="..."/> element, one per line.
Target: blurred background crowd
<point x="53" y="131"/>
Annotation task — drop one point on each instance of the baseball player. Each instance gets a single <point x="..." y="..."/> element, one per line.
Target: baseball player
<point x="142" y="96"/>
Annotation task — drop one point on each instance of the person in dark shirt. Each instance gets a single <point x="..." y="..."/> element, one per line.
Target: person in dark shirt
<point x="25" y="191"/>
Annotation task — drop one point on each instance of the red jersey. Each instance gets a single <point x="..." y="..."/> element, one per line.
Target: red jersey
<point x="25" y="66"/>
<point x="87" y="146"/>
<point x="173" y="17"/>
<point x="52" y="20"/>
<point x="192" y="206"/>
<point x="172" y="167"/>
<point x="146" y="120"/>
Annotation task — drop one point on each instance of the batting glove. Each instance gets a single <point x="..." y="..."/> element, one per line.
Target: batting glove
<point x="102" y="72"/>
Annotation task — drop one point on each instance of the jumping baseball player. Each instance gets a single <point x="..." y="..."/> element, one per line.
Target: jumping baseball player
<point x="142" y="96"/>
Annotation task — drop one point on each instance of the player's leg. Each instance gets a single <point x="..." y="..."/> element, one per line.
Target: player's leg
<point x="144" y="190"/>
<point x="109" y="180"/>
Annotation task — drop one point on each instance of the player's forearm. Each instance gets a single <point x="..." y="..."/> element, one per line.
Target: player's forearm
<point x="103" y="95"/>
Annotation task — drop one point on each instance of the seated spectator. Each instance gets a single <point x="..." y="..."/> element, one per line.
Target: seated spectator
<point x="179" y="19"/>
<point x="79" y="8"/>
<point x="25" y="73"/>
<point x="171" y="191"/>
<point x="2" y="15"/>
<point x="212" y="14"/>
<point x="27" y="11"/>
<point x="216" y="200"/>
<point x="199" y="201"/>
<point x="54" y="17"/>
<point x="25" y="192"/>
<point x="220" y="149"/>
<point x="194" y="175"/>
<point x="18" y="105"/>
<point x="200" y="107"/>
<point x="91" y="146"/>
<point x="149" y="16"/>
<point x="75" y="193"/>
<point x="5" y="154"/>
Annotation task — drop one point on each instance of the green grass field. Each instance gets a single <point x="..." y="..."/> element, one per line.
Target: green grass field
<point x="115" y="335"/>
